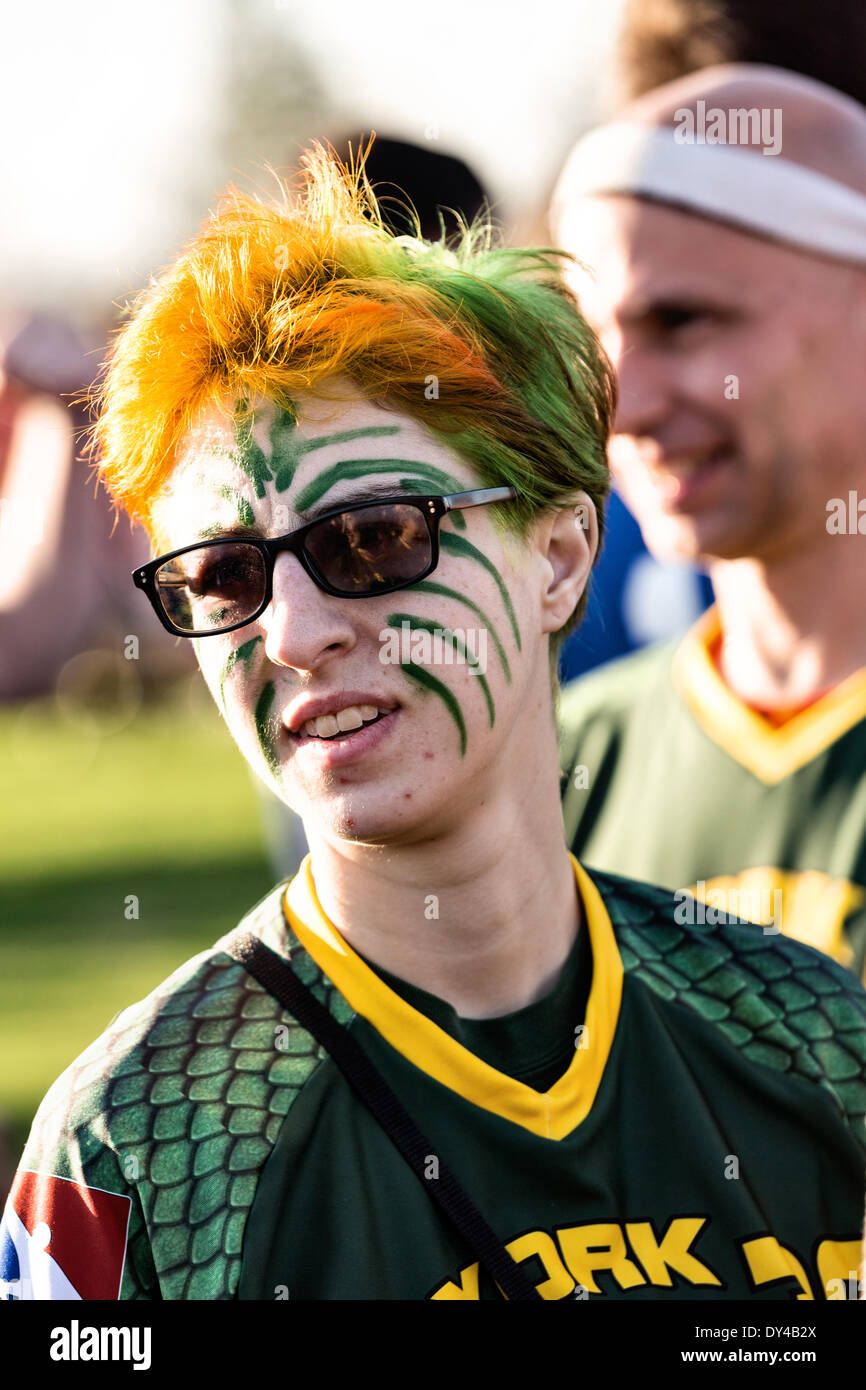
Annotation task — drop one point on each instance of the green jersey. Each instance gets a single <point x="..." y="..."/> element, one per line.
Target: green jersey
<point x="695" y="1133"/>
<point x="668" y="777"/>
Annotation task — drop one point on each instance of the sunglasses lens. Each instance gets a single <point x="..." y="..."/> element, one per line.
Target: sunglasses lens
<point x="371" y="550"/>
<point x="212" y="588"/>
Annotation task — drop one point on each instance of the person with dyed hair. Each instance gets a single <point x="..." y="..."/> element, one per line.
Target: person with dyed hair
<point x="372" y="468"/>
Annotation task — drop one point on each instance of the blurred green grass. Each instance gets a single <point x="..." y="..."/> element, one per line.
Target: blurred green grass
<point x="164" y="809"/>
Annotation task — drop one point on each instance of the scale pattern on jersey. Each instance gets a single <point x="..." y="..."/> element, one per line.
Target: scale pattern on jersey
<point x="179" y="1104"/>
<point x="783" y="1004"/>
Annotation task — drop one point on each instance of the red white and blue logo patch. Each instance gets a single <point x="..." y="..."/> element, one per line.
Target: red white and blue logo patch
<point x="62" y="1240"/>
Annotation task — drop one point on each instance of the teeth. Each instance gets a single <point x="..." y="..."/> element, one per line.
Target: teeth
<point x="343" y="722"/>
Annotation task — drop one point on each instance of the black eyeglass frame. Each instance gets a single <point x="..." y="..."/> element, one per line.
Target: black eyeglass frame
<point x="432" y="508"/>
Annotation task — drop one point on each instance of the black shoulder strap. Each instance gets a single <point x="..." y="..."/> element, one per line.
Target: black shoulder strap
<point x="278" y="978"/>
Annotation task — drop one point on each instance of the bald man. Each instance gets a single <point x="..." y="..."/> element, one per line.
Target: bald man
<point x="723" y="219"/>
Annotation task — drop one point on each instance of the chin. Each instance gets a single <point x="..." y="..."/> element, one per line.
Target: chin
<point x="368" y="819"/>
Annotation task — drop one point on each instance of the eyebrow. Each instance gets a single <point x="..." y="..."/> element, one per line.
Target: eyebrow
<point x="371" y="492"/>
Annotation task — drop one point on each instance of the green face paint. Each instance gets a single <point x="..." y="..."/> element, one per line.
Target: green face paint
<point x="424" y="473"/>
<point x="265" y="729"/>
<point x="246" y="515"/>
<point x="422" y="677"/>
<point x="454" y="640"/>
<point x="458" y="545"/>
<point x="239" y="657"/>
<point x="290" y="448"/>
<point x="428" y="586"/>
<point x="250" y="456"/>
<point x="285" y="452"/>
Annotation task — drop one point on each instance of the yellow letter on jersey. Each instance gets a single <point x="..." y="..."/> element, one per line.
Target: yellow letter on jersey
<point x="467" y="1288"/>
<point x="598" y="1246"/>
<point x="769" y="1261"/>
<point x="838" y="1260"/>
<point x="559" y="1282"/>
<point x="673" y="1252"/>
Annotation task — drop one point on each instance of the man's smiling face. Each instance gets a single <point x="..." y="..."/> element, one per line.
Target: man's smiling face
<point x="437" y="735"/>
<point x="741" y="407"/>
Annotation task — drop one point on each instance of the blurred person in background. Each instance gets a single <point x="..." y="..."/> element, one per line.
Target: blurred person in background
<point x="728" y="284"/>
<point x="61" y="561"/>
<point x="638" y="597"/>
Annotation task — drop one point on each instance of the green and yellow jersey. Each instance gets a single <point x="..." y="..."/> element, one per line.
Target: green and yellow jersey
<point x="680" y="1118"/>
<point x="669" y="778"/>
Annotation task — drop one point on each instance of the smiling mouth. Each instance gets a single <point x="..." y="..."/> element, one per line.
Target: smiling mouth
<point x="341" y="726"/>
<point x="681" y="480"/>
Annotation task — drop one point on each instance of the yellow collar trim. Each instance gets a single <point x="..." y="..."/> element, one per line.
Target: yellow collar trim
<point x="551" y="1115"/>
<point x="771" y="754"/>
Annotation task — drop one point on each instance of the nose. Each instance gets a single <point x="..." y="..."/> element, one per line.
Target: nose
<point x="304" y="626"/>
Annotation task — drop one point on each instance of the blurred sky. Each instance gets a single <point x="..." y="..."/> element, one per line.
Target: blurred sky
<point x="122" y="122"/>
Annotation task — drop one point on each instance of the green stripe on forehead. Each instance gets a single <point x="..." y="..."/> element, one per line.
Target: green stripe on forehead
<point x="243" y="512"/>
<point x="285" y="453"/>
<point x="361" y="468"/>
<point x="289" y="448"/>
<point x="458" y="545"/>
<point x="246" y="515"/>
<point x="249" y="455"/>
<point x="422" y="677"/>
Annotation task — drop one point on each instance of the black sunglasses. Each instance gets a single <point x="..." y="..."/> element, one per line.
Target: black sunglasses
<point x="360" y="551"/>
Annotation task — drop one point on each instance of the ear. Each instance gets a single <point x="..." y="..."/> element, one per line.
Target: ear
<point x="567" y="541"/>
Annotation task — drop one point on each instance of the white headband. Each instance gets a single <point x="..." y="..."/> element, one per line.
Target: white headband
<point x="773" y="197"/>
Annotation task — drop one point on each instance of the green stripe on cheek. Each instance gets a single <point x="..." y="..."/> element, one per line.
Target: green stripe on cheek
<point x="447" y="635"/>
<point x="264" y="728"/>
<point x="428" y="586"/>
<point x="240" y="656"/>
<point x="458" y="545"/>
<point x="428" y="682"/>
